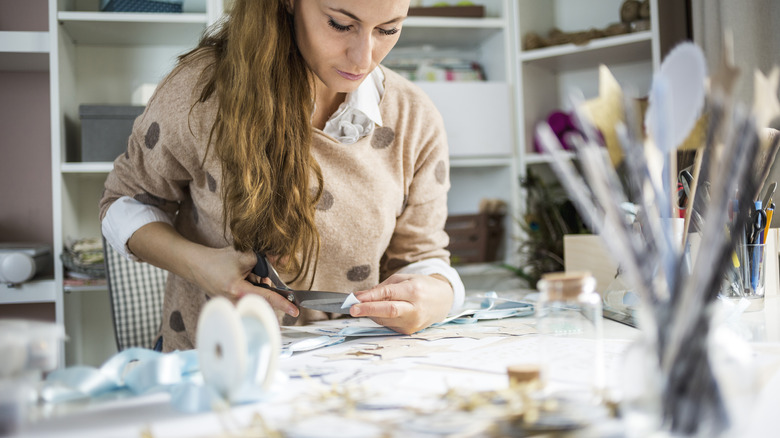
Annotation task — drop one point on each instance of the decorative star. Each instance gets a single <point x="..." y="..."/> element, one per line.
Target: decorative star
<point x="765" y="104"/>
<point x="726" y="74"/>
<point x="606" y="110"/>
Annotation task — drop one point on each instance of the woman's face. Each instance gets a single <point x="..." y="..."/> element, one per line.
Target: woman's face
<point x="342" y="41"/>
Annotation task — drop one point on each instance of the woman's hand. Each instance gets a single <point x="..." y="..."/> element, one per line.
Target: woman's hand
<point x="219" y="271"/>
<point x="227" y="272"/>
<point x="406" y="303"/>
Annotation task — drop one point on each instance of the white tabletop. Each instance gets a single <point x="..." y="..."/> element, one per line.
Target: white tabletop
<point x="402" y="386"/>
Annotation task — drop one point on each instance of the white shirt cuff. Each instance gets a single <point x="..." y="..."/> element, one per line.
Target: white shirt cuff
<point x="438" y="266"/>
<point x="124" y="217"/>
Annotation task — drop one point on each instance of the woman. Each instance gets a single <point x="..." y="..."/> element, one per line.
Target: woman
<point x="280" y="133"/>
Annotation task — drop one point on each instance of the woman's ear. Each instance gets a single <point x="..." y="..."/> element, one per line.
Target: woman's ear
<point x="290" y="6"/>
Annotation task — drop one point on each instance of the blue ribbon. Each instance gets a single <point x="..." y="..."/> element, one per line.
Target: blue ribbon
<point x="138" y="371"/>
<point x="135" y="370"/>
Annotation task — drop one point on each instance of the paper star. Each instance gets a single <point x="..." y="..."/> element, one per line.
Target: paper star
<point x="725" y="76"/>
<point x="606" y="111"/>
<point x="765" y="104"/>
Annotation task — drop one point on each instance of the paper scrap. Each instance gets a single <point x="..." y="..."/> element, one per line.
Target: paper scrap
<point x="351" y="299"/>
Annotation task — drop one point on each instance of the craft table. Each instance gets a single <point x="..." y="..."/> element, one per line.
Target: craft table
<point x="408" y="386"/>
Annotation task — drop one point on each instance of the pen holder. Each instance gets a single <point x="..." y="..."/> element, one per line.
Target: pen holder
<point x="746" y="278"/>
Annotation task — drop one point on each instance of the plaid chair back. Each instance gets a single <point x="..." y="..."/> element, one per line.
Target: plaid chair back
<point x="136" y="290"/>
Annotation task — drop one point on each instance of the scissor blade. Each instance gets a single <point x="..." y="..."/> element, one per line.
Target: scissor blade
<point x="326" y="305"/>
<point x="324" y="301"/>
<point x="312" y="299"/>
<point x="306" y="295"/>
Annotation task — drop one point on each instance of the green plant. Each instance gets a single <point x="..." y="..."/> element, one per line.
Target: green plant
<point x="549" y="215"/>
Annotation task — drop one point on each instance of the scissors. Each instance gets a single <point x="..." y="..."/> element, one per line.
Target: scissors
<point x="756" y="224"/>
<point x="310" y="299"/>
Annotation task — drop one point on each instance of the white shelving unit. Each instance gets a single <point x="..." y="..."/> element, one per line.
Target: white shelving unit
<point x="478" y="116"/>
<point x="100" y="58"/>
<point x="547" y="76"/>
<point x="25" y="46"/>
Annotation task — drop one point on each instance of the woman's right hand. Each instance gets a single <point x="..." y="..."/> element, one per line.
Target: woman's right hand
<point x="218" y="271"/>
<point x="227" y="272"/>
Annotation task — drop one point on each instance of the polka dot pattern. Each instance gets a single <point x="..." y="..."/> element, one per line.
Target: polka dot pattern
<point x="212" y="183"/>
<point x="440" y="172"/>
<point x="359" y="273"/>
<point x="152" y="135"/>
<point x="383" y="137"/>
<point x="176" y="322"/>
<point x="326" y="201"/>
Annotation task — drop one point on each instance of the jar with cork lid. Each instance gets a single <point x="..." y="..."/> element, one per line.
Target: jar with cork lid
<point x="569" y="318"/>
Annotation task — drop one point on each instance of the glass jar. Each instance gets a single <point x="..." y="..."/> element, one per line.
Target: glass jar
<point x="569" y="321"/>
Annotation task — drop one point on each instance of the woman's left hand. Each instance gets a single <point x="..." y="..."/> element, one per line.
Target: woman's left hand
<point x="406" y="303"/>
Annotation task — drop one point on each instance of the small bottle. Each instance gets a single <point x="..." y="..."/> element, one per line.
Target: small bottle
<point x="569" y="309"/>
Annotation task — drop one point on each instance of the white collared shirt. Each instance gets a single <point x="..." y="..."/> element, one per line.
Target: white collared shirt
<point x="355" y="118"/>
<point x="359" y="113"/>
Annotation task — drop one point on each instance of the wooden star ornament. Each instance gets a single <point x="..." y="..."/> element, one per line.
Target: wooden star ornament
<point x="766" y="107"/>
<point x="606" y="110"/>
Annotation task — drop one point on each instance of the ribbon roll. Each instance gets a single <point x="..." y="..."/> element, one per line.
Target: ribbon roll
<point x="238" y="347"/>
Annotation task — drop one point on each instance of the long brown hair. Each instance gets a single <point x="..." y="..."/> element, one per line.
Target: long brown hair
<point x="262" y="133"/>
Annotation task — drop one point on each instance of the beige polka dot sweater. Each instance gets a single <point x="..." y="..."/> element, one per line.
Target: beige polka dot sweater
<point x="384" y="203"/>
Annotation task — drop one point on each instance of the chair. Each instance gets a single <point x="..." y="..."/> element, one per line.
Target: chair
<point x="136" y="290"/>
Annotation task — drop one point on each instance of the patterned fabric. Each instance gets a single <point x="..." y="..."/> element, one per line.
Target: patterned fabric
<point x="136" y="291"/>
<point x="141" y="6"/>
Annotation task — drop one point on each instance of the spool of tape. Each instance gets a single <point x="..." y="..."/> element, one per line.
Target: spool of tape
<point x="264" y="338"/>
<point x="238" y="346"/>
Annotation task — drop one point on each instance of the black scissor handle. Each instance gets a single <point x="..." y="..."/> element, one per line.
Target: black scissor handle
<point x="263" y="270"/>
<point x="261" y="267"/>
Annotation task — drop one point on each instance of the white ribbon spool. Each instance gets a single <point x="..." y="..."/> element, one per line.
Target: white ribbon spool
<point x="238" y="346"/>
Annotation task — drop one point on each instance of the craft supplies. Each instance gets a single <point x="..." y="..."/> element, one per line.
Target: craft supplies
<point x="675" y="289"/>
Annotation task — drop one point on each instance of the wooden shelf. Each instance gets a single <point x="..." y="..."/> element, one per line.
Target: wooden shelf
<point x="132" y="29"/>
<point x="627" y="48"/>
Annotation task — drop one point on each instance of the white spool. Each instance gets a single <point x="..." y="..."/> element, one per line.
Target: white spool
<point x="238" y="346"/>
<point x="268" y="338"/>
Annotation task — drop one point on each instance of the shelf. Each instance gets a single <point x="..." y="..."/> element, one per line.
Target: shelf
<point x="24" y="51"/>
<point x="621" y="49"/>
<point x="92" y="167"/>
<point x="537" y="158"/>
<point x="449" y="33"/>
<point x="133" y="29"/>
<point x="86" y="288"/>
<point x="34" y="291"/>
<point x="480" y="161"/>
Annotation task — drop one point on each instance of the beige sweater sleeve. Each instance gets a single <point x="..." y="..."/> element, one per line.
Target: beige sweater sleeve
<point x="419" y="232"/>
<point x="162" y="150"/>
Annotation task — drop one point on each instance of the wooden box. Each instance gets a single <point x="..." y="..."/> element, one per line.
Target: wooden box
<point x="474" y="238"/>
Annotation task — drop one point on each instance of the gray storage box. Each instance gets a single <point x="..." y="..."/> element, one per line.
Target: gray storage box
<point x="105" y="130"/>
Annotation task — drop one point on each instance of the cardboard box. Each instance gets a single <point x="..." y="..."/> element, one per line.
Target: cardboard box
<point x="105" y="130"/>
